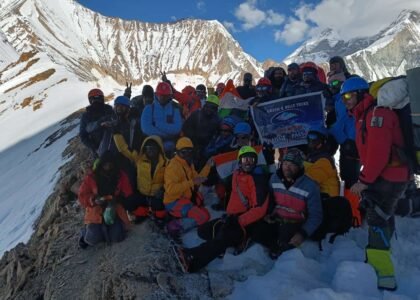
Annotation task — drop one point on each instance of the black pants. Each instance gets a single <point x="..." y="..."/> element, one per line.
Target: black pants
<point x="219" y="237"/>
<point x="275" y="236"/>
<point x="380" y="200"/>
<point x="137" y="200"/>
<point x="349" y="163"/>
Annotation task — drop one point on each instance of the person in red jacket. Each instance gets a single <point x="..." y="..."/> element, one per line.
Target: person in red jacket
<point x="101" y="194"/>
<point x="248" y="204"/>
<point x="383" y="177"/>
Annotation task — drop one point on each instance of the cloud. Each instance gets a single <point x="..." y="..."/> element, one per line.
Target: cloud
<point x="349" y="18"/>
<point x="252" y="17"/>
<point x="294" y="31"/>
<point x="173" y="18"/>
<point x="201" y="5"/>
<point x="230" y="26"/>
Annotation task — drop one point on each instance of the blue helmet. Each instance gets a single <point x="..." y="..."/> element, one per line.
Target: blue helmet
<point x="354" y="84"/>
<point x="242" y="128"/>
<point x="123" y="100"/>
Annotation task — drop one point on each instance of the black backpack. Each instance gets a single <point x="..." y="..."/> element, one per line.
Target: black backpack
<point x="337" y="218"/>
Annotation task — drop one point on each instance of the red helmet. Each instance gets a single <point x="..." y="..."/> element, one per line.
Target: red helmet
<point x="309" y="64"/>
<point x="95" y="93"/>
<point x="163" y="89"/>
<point x="264" y="81"/>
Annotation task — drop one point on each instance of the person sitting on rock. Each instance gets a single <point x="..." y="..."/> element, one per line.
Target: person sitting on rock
<point x="150" y="162"/>
<point x="295" y="210"/>
<point x="101" y="195"/>
<point x="181" y="181"/>
<point x="248" y="204"/>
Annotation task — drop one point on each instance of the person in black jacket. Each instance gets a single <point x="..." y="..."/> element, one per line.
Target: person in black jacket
<point x="94" y="121"/>
<point x="247" y="90"/>
<point x="292" y="82"/>
<point x="201" y="126"/>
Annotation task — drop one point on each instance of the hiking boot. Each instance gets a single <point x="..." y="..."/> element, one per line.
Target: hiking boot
<point x="82" y="243"/>
<point x="183" y="258"/>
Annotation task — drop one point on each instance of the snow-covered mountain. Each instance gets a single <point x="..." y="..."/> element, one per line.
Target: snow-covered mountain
<point x="92" y="46"/>
<point x="388" y="53"/>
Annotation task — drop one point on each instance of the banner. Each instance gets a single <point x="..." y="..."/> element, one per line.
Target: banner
<point x="285" y="122"/>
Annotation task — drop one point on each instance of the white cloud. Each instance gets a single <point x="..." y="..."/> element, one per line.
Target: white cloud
<point x="293" y="32"/>
<point x="173" y="18"/>
<point x="252" y="17"/>
<point x="274" y="18"/>
<point x="230" y="26"/>
<point x="349" y="18"/>
<point x="201" y="5"/>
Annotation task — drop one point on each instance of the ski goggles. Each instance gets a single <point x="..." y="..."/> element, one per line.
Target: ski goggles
<point x="242" y="136"/>
<point x="248" y="159"/>
<point x="262" y="88"/>
<point x="312" y="136"/>
<point x="347" y="96"/>
<point x="335" y="83"/>
<point x="186" y="151"/>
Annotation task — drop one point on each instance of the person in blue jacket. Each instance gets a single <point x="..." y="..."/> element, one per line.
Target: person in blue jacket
<point x="163" y="118"/>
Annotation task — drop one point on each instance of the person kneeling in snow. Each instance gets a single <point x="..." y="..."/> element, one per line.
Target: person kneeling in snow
<point x="181" y="182"/>
<point x="101" y="194"/>
<point x="296" y="207"/>
<point x="248" y="204"/>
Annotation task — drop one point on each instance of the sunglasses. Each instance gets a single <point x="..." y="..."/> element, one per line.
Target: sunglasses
<point x="262" y="88"/>
<point x="225" y="130"/>
<point x="312" y="136"/>
<point x="347" y="96"/>
<point x="335" y="83"/>
<point x="308" y="73"/>
<point x="242" y="137"/>
<point x="248" y="159"/>
<point x="186" y="151"/>
<point x="150" y="147"/>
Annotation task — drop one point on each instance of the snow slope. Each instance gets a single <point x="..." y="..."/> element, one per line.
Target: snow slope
<point x="337" y="272"/>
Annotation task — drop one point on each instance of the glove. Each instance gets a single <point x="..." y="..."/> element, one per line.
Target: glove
<point x="127" y="91"/>
<point x="349" y="149"/>
<point x="268" y="152"/>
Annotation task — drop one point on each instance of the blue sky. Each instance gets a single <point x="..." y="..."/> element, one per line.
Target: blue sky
<point x="266" y="28"/>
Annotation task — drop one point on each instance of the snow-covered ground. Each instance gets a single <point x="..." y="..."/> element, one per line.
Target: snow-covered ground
<point x="337" y="272"/>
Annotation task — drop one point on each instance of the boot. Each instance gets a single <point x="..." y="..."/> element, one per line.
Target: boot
<point x="381" y="261"/>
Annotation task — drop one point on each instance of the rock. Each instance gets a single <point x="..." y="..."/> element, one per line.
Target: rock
<point x="221" y="285"/>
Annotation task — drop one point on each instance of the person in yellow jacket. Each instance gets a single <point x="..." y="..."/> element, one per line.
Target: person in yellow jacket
<point x="319" y="164"/>
<point x="150" y="162"/>
<point x="181" y="198"/>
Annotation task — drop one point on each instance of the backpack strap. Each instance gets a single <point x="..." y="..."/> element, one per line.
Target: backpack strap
<point x="242" y="197"/>
<point x="364" y="126"/>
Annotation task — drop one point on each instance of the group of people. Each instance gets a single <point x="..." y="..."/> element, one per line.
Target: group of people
<point x="153" y="154"/>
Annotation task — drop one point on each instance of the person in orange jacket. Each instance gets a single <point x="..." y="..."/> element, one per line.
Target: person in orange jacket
<point x="101" y="194"/>
<point x="248" y="204"/>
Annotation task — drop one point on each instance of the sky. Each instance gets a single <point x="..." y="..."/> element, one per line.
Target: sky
<point x="267" y="29"/>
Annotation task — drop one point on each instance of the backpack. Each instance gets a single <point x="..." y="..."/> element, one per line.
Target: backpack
<point x="392" y="92"/>
<point x="337" y="218"/>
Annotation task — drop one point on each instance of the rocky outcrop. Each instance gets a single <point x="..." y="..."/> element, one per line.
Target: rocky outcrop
<point x="51" y="266"/>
